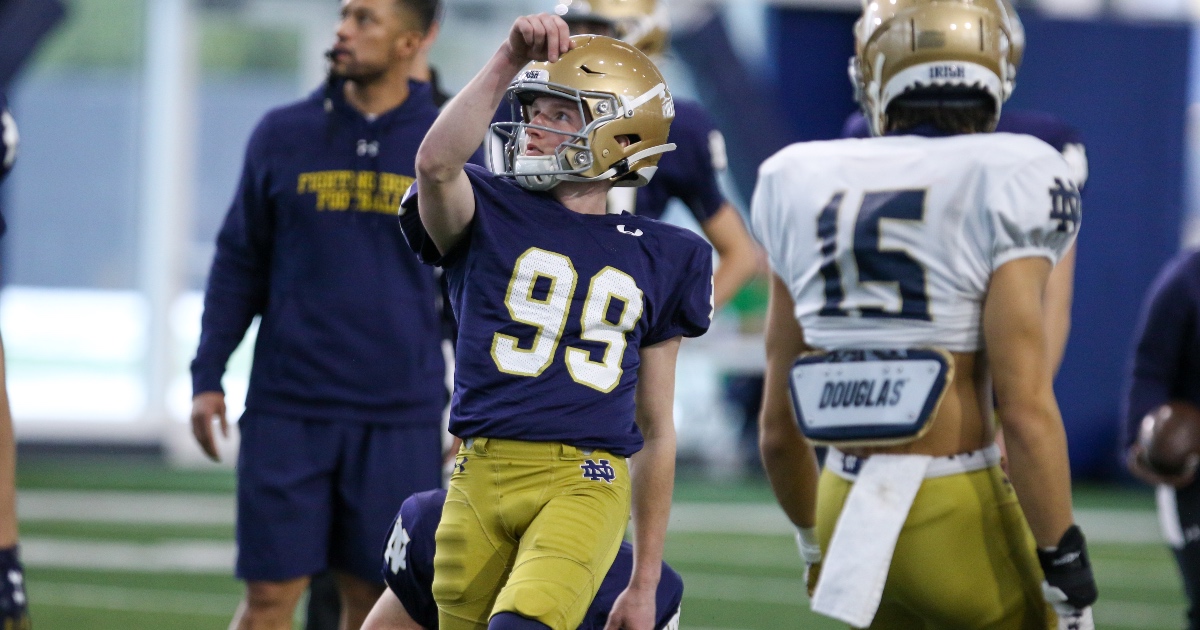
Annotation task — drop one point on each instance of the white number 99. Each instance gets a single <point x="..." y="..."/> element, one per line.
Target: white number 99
<point x="549" y="316"/>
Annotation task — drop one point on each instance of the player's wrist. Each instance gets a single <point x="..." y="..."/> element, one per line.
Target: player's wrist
<point x="808" y="544"/>
<point x="644" y="583"/>
<point x="509" y="59"/>
<point x="1068" y="571"/>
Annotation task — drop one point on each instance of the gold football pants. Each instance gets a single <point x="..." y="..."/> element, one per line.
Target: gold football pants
<point x="965" y="559"/>
<point x="530" y="528"/>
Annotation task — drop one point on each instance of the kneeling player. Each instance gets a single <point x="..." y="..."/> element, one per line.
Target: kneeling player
<point x="408" y="569"/>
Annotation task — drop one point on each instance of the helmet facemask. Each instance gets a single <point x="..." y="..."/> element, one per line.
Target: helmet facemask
<point x="572" y="158"/>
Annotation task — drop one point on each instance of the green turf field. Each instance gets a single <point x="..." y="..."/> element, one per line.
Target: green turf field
<point x="152" y="564"/>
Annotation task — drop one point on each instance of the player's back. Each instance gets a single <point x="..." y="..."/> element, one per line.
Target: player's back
<point x="890" y="243"/>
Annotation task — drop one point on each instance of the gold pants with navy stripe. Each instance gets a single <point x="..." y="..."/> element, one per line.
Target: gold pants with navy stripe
<point x="529" y="528"/>
<point x="965" y="559"/>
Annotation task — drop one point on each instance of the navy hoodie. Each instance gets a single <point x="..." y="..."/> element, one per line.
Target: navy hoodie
<point x="350" y="328"/>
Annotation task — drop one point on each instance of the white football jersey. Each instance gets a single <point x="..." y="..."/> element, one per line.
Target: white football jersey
<point x="890" y="242"/>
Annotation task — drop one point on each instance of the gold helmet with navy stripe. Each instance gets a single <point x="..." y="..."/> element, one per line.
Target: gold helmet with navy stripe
<point x="626" y="110"/>
<point x="926" y="46"/>
<point x="643" y="23"/>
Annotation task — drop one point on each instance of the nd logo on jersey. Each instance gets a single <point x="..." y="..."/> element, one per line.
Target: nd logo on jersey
<point x="1065" y="206"/>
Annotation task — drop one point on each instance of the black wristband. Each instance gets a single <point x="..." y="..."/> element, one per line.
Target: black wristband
<point x="1068" y="569"/>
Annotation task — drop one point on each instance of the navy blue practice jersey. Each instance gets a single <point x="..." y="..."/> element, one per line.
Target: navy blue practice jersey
<point x="553" y="307"/>
<point x="408" y="568"/>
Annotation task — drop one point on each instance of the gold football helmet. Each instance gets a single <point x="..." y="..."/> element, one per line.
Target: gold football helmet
<point x="643" y="23"/>
<point x="619" y="92"/>
<point x="905" y="45"/>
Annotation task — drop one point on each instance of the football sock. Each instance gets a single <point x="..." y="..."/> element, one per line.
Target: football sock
<point x="513" y="621"/>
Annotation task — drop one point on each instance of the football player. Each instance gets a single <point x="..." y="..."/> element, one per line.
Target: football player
<point x="408" y="569"/>
<point x="569" y="324"/>
<point x="898" y="260"/>
<point x="689" y="173"/>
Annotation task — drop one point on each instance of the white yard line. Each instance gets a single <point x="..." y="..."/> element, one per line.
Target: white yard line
<point x="178" y="556"/>
<point x="155" y="508"/>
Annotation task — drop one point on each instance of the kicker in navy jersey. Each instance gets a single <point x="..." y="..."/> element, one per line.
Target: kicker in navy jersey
<point x="408" y="568"/>
<point x="647" y="281"/>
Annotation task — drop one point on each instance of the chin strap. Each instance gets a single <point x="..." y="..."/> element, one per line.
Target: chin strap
<point x="543" y="172"/>
<point x="537" y="172"/>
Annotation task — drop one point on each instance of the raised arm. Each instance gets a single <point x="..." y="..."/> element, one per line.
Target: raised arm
<point x="652" y="472"/>
<point x="446" y="201"/>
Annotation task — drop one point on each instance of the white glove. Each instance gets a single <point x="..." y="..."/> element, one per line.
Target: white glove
<point x="1069" y="617"/>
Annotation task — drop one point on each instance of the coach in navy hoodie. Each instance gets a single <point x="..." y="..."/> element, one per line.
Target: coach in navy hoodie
<point x="343" y="414"/>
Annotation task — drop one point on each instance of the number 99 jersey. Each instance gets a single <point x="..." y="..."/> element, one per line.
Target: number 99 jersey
<point x="553" y="307"/>
<point x="890" y="242"/>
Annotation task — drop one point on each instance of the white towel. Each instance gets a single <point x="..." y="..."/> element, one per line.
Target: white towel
<point x="856" y="566"/>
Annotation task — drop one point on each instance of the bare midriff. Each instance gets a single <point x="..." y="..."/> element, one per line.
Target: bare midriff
<point x="962" y="423"/>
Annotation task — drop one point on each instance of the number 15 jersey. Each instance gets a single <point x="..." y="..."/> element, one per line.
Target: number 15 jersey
<point x="553" y="307"/>
<point x="890" y="242"/>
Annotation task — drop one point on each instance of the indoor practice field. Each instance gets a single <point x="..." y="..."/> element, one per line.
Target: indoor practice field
<point x="126" y="542"/>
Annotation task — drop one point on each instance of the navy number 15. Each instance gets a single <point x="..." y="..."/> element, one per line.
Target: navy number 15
<point x="875" y="263"/>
